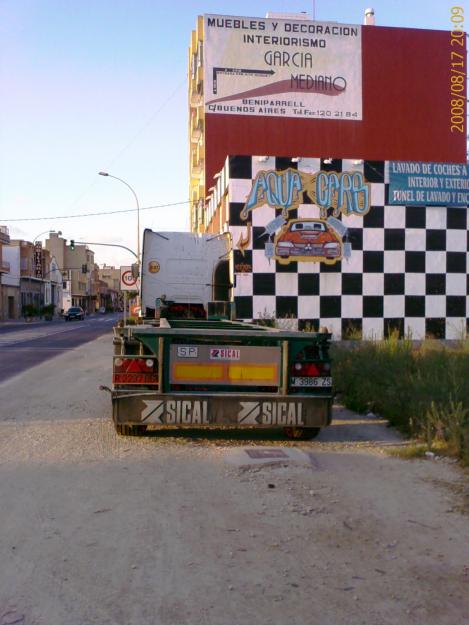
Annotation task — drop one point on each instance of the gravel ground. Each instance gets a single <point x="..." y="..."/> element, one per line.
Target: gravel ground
<point x="98" y="530"/>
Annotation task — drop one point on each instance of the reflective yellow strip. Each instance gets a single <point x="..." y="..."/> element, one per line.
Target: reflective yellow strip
<point x="253" y="373"/>
<point x="198" y="372"/>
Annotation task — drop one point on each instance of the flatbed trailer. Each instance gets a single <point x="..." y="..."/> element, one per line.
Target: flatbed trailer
<point x="190" y="373"/>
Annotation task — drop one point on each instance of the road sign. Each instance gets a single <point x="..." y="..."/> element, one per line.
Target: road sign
<point x="128" y="282"/>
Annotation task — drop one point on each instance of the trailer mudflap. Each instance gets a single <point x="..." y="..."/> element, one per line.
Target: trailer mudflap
<point x="238" y="410"/>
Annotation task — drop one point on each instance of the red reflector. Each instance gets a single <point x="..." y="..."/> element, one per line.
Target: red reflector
<point x="135" y="371"/>
<point x="133" y="365"/>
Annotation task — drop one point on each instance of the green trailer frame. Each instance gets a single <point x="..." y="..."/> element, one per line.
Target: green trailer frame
<point x="301" y="411"/>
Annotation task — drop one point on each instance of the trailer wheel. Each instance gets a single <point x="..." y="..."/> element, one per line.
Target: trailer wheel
<point x="130" y="430"/>
<point x="301" y="434"/>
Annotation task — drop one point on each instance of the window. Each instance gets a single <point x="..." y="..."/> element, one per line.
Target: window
<point x="317" y="226"/>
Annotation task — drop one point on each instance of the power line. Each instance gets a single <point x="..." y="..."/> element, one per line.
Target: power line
<point x="130" y="142"/>
<point x="127" y="210"/>
<point x="113" y="160"/>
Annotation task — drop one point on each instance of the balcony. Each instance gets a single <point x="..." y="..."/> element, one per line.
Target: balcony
<point x="4" y="266"/>
<point x="197" y="131"/>
<point x="197" y="96"/>
<point x="4" y="235"/>
<point x="197" y="168"/>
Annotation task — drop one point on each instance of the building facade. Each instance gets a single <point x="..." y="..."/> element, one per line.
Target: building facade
<point x="33" y="276"/>
<point x="344" y="209"/>
<point x="197" y="190"/>
<point x="77" y="267"/>
<point x="33" y="281"/>
<point x="361" y="267"/>
<point x="9" y="290"/>
<point x="111" y="295"/>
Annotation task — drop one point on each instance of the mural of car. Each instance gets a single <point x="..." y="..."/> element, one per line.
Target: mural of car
<point x="311" y="239"/>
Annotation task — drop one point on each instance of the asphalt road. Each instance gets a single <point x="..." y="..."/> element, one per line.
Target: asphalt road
<point x="101" y="529"/>
<point x="24" y="345"/>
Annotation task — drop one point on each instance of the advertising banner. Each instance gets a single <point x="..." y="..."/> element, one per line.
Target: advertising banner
<point x="38" y="260"/>
<point x="282" y="68"/>
<point x="428" y="184"/>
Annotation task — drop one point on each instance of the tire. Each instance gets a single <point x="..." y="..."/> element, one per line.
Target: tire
<point x="301" y="434"/>
<point x="130" y="430"/>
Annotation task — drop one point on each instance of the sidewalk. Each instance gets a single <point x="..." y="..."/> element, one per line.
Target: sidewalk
<point x="17" y="323"/>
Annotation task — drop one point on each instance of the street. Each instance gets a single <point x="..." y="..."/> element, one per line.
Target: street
<point x="219" y="528"/>
<point x="23" y="345"/>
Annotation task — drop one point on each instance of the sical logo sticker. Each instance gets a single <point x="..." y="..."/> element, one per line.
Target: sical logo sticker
<point x="224" y="353"/>
<point x="153" y="266"/>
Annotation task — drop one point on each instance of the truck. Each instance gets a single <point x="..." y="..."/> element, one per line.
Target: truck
<point x="190" y="363"/>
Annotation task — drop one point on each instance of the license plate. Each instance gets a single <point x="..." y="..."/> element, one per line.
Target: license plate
<point x="319" y="382"/>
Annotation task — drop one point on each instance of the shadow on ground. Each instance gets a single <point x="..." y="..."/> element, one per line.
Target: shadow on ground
<point x="346" y="427"/>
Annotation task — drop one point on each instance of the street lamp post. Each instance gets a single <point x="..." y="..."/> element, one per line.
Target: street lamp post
<point x="46" y="232"/>
<point x="105" y="173"/>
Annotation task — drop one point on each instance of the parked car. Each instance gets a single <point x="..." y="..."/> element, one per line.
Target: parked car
<point x="102" y="310"/>
<point x="75" y="312"/>
<point x="311" y="238"/>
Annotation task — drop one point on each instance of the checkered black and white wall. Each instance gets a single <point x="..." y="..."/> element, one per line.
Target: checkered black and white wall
<point x="408" y="269"/>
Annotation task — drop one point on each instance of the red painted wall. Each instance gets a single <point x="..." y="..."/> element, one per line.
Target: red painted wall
<point x="406" y="110"/>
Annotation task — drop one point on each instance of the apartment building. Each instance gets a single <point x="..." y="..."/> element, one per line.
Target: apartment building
<point x="77" y="267"/>
<point x="9" y="294"/>
<point x="111" y="295"/>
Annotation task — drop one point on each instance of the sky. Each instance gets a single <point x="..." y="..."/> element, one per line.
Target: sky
<point x="101" y="85"/>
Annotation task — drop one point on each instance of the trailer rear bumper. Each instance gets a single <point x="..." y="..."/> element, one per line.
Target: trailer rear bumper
<point x="222" y="409"/>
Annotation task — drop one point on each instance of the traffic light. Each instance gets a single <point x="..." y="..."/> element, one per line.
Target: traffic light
<point x="84" y="269"/>
<point x="135" y="271"/>
<point x="72" y="244"/>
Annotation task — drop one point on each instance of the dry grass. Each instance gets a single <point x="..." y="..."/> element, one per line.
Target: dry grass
<point x="424" y="390"/>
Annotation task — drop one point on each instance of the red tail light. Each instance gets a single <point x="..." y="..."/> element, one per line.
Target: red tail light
<point x="135" y="371"/>
<point x="310" y="369"/>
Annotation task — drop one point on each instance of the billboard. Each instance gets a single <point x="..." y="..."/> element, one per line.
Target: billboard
<point x="402" y="95"/>
<point x="428" y="184"/>
<point x="282" y="68"/>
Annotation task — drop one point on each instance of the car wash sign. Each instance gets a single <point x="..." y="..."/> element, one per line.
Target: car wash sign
<point x="314" y="238"/>
<point x="282" y="68"/>
<point x="345" y="192"/>
<point x="428" y="184"/>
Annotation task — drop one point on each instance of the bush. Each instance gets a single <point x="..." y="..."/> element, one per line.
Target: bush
<point x="48" y="311"/>
<point x="374" y="376"/>
<point x="130" y="321"/>
<point x="424" y="391"/>
<point x="28" y="311"/>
